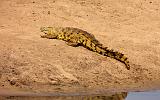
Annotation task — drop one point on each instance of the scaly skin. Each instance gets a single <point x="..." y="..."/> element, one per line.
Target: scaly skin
<point x="77" y="37"/>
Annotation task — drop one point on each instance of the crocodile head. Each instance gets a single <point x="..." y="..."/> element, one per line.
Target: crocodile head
<point x="49" y="32"/>
<point x="46" y="30"/>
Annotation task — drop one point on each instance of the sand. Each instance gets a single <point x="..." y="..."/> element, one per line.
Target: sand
<point x="33" y="64"/>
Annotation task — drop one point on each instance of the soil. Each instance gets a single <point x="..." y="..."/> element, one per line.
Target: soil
<point x="50" y="67"/>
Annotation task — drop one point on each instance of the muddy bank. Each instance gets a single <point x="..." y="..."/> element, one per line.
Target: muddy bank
<point x="30" y="63"/>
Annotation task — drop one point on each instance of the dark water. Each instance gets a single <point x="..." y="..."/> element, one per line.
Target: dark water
<point x="155" y="95"/>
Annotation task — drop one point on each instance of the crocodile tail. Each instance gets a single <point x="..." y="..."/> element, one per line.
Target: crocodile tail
<point x="109" y="53"/>
<point x="116" y="55"/>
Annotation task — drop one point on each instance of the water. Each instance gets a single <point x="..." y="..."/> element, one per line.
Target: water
<point x="152" y="95"/>
<point x="144" y="95"/>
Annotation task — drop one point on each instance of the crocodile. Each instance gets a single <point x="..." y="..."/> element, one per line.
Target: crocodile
<point x="78" y="37"/>
<point x="108" y="96"/>
<point x="115" y="96"/>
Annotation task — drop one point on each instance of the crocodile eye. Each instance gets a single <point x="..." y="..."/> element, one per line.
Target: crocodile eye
<point x="45" y="32"/>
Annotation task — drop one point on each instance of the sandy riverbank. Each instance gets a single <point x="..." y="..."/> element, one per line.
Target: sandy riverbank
<point x="28" y="62"/>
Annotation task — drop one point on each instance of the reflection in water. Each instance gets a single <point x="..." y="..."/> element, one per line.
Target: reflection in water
<point x="117" y="96"/>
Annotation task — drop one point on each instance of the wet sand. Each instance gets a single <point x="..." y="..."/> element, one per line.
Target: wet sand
<point x="30" y="63"/>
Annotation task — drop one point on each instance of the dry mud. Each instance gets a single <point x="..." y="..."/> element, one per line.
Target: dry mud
<point x="30" y="63"/>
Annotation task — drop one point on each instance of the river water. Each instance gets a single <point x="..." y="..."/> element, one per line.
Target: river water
<point x="153" y="95"/>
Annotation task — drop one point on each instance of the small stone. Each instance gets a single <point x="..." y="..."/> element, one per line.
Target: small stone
<point x="49" y="12"/>
<point x="13" y="82"/>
